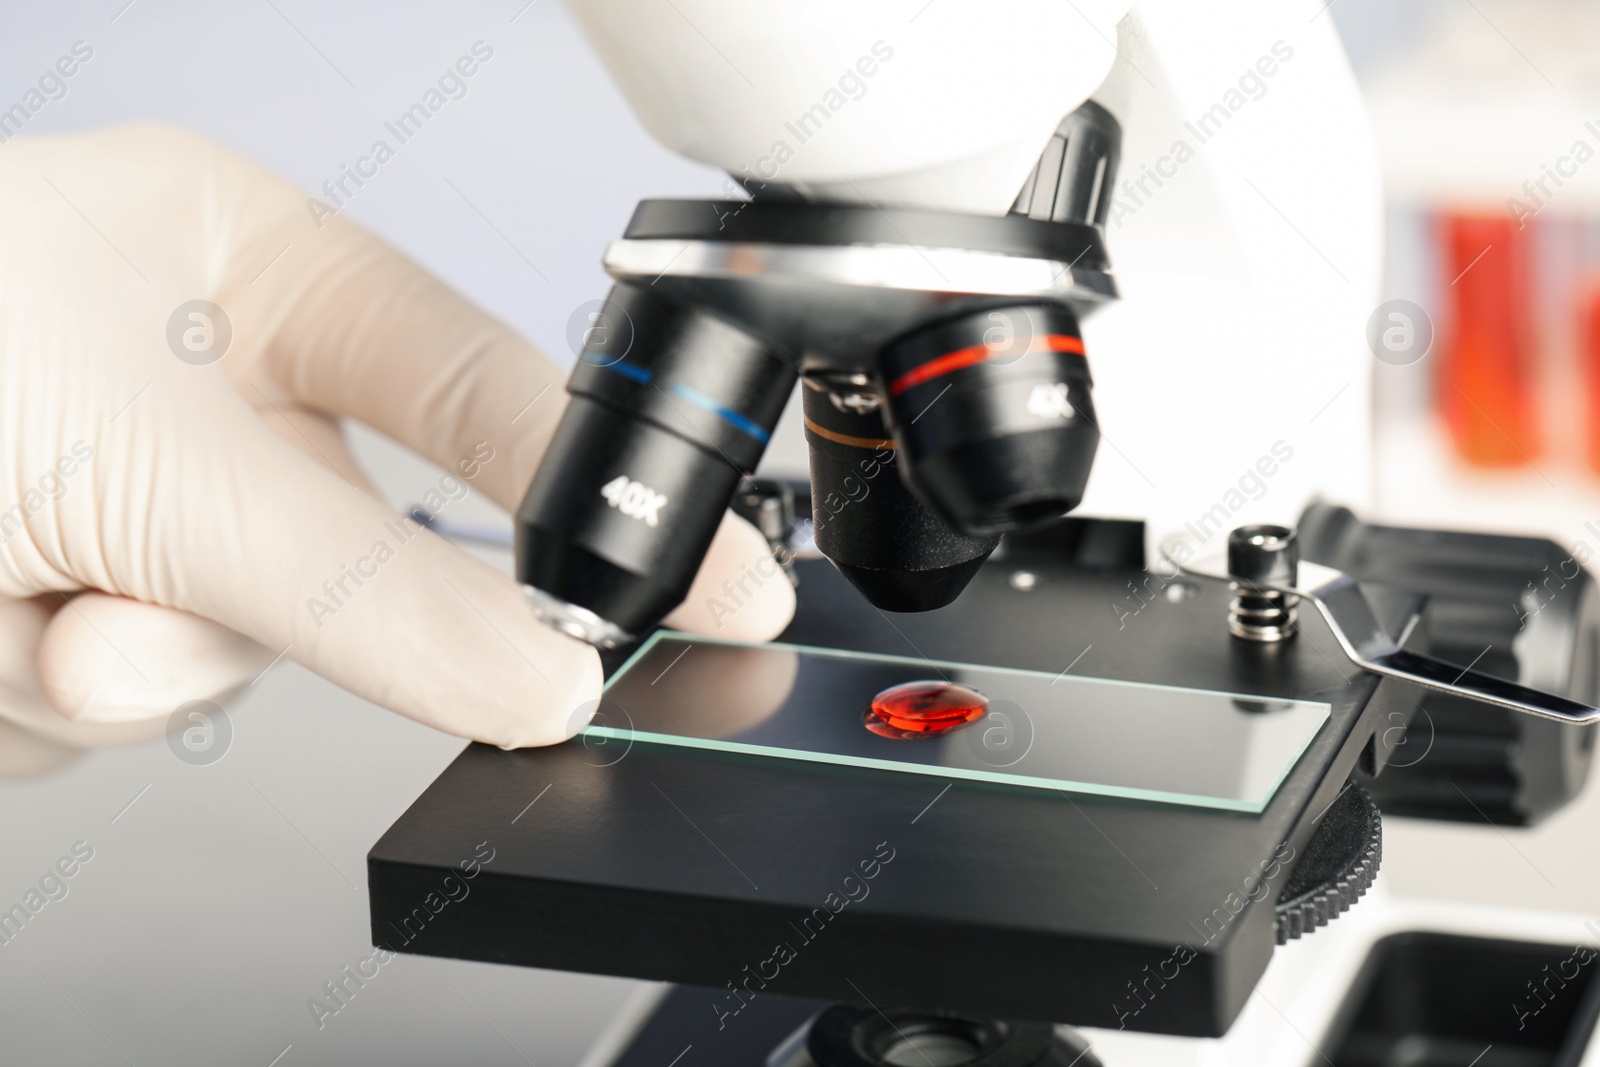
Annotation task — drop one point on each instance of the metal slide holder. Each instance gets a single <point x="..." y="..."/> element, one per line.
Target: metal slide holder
<point x="1262" y="563"/>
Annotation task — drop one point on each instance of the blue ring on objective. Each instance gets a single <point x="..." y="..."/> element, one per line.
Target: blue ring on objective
<point x="728" y="415"/>
<point x="627" y="370"/>
<point x="694" y="396"/>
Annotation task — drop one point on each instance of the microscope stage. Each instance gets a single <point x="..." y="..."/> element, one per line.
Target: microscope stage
<point x="750" y="873"/>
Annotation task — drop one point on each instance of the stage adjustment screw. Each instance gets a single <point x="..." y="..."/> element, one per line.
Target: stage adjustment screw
<point x="1259" y="557"/>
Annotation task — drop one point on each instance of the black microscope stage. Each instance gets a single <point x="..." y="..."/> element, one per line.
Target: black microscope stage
<point x="750" y="874"/>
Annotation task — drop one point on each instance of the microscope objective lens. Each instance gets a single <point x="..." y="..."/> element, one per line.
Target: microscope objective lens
<point x="916" y="710"/>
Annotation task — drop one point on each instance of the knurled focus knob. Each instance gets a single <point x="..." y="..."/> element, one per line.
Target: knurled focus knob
<point x="1338" y="866"/>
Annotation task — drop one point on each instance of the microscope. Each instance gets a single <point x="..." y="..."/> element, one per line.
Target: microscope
<point x="947" y="393"/>
<point x="920" y="243"/>
<point x="946" y="386"/>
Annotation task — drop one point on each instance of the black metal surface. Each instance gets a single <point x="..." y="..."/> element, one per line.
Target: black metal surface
<point x="702" y="867"/>
<point x="1083" y="544"/>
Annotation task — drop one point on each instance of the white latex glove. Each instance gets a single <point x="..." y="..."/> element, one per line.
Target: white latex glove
<point x="165" y="527"/>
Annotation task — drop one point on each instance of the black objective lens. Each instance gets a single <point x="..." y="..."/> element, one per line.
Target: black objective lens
<point x="669" y="406"/>
<point x="889" y="544"/>
<point x="993" y="417"/>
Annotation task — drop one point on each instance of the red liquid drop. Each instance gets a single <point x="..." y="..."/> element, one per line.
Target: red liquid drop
<point x="924" y="709"/>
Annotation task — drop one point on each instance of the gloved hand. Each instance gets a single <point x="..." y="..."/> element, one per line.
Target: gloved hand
<point x="170" y="521"/>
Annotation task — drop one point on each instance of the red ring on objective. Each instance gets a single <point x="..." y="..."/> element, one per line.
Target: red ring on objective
<point x="972" y="354"/>
<point x="915" y="710"/>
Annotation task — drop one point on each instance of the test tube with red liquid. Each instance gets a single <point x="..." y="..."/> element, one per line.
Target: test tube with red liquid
<point x="1487" y="369"/>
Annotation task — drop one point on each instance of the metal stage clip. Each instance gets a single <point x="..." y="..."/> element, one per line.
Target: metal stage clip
<point x="1262" y="562"/>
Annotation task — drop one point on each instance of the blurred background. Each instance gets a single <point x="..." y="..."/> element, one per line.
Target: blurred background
<point x="1487" y="118"/>
<point x="222" y="898"/>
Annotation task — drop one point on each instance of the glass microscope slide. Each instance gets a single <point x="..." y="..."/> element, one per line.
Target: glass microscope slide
<point x="1061" y="733"/>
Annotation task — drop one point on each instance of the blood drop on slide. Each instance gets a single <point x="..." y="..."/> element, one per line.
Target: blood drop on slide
<point x="916" y="710"/>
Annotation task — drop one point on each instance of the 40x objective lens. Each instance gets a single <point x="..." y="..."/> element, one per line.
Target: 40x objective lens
<point x="670" y="406"/>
